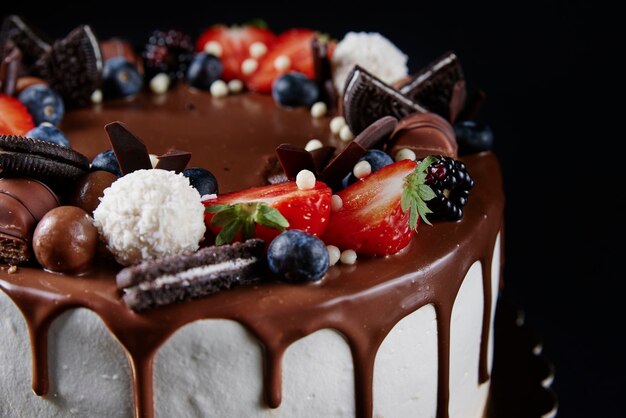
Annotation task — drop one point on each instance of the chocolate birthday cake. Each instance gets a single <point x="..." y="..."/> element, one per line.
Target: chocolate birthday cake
<point x="250" y="224"/>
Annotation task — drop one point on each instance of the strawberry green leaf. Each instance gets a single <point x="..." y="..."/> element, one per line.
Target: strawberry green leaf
<point x="227" y="234"/>
<point x="216" y="208"/>
<point x="270" y="217"/>
<point x="243" y="218"/>
<point x="416" y="193"/>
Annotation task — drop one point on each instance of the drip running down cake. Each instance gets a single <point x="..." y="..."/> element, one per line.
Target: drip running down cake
<point x="284" y="226"/>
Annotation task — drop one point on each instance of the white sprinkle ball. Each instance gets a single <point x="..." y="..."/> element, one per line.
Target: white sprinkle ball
<point x="258" y="49"/>
<point x="348" y="257"/>
<point x="319" y="109"/>
<point x="335" y="203"/>
<point x="219" y="89"/>
<point x="96" y="96"/>
<point x="362" y="169"/>
<point x="160" y="83"/>
<point x="345" y="134"/>
<point x="313" y="144"/>
<point x="305" y="180"/>
<point x="235" y="86"/>
<point x="213" y="48"/>
<point x="249" y="65"/>
<point x="405" y="154"/>
<point x="282" y="63"/>
<point x="336" y="124"/>
<point x="333" y="254"/>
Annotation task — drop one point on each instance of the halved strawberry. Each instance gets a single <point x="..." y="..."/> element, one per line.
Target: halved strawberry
<point x="295" y="44"/>
<point x="235" y="42"/>
<point x="263" y="212"/>
<point x="381" y="212"/>
<point x="14" y="117"/>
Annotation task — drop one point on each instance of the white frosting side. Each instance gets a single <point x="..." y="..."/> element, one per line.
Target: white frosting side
<point x="214" y="368"/>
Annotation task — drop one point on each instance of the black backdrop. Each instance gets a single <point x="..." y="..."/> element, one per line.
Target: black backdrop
<point x="550" y="71"/>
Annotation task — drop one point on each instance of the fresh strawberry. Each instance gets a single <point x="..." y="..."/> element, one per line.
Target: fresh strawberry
<point x="295" y="44"/>
<point x="264" y="212"/>
<point x="235" y="42"/>
<point x="14" y="117"/>
<point x="381" y="212"/>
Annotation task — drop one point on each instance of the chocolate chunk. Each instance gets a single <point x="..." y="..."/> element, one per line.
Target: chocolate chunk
<point x="53" y="164"/>
<point x="377" y="133"/>
<point x="10" y="67"/>
<point x="322" y="72"/>
<point x="425" y="134"/>
<point x="29" y="40"/>
<point x="367" y="99"/>
<point x="73" y="66"/>
<point x="174" y="160"/>
<point x="23" y="202"/>
<point x="293" y="159"/>
<point x="321" y="157"/>
<point x="341" y="165"/>
<point x="181" y="277"/>
<point x="130" y="151"/>
<point x="433" y="86"/>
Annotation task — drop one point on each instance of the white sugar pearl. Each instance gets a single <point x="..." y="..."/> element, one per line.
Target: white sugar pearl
<point x="319" y="109"/>
<point x="348" y="257"/>
<point x="346" y="134"/>
<point x="362" y="169"/>
<point x="249" y="65"/>
<point x="154" y="160"/>
<point x="160" y="83"/>
<point x="235" y="86"/>
<point x="313" y="144"/>
<point x="305" y="180"/>
<point x="96" y="96"/>
<point x="335" y="203"/>
<point x="334" y="254"/>
<point x="282" y="63"/>
<point x="337" y="123"/>
<point x="405" y="154"/>
<point x="219" y="89"/>
<point x="258" y="49"/>
<point x="213" y="48"/>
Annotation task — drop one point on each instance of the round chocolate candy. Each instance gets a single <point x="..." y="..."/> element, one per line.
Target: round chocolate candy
<point x="65" y="240"/>
<point x="90" y="188"/>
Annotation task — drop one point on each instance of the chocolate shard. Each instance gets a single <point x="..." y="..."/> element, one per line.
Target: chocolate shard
<point x="457" y="101"/>
<point x="474" y="104"/>
<point x="10" y="67"/>
<point x="293" y="159"/>
<point x="182" y="277"/>
<point x="130" y="151"/>
<point x="174" y="160"/>
<point x="321" y="157"/>
<point x="73" y="66"/>
<point x="29" y="40"/>
<point x="375" y="135"/>
<point x="367" y="99"/>
<point x="322" y="72"/>
<point x="341" y="165"/>
<point x="433" y="86"/>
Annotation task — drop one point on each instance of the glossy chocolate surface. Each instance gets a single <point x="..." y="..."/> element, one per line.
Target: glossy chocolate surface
<point x="229" y="137"/>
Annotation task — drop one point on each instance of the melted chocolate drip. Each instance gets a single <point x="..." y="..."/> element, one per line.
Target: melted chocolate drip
<point x="429" y="271"/>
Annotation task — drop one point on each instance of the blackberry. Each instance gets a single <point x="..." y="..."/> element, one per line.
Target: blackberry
<point x="168" y="52"/>
<point x="452" y="184"/>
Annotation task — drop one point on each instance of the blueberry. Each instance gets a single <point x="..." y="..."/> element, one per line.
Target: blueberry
<point x="204" y="70"/>
<point x="295" y="89"/>
<point x="377" y="159"/>
<point x="120" y="78"/>
<point x="473" y="136"/>
<point x="106" y="161"/>
<point x="296" y="256"/>
<point x="49" y="133"/>
<point x="202" y="180"/>
<point x="43" y="103"/>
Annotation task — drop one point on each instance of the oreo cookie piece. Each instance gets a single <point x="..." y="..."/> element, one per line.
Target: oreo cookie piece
<point x="434" y="86"/>
<point x="181" y="277"/>
<point x="367" y="99"/>
<point x="29" y="40"/>
<point x="50" y="163"/>
<point x="73" y="66"/>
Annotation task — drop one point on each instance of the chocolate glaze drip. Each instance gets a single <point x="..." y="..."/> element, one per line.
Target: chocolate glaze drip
<point x="363" y="302"/>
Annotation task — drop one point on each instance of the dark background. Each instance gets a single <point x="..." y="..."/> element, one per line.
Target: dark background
<point x="553" y="83"/>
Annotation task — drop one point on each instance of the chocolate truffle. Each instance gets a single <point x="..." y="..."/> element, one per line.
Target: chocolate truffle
<point x="90" y="189"/>
<point x="425" y="134"/>
<point x="65" y="240"/>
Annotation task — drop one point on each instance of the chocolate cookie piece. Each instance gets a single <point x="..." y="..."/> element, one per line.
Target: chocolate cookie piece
<point x="73" y="66"/>
<point x="439" y="86"/>
<point x="367" y="99"/>
<point x="41" y="160"/>
<point x="425" y="134"/>
<point x="29" y="40"/>
<point x="181" y="277"/>
<point x="23" y="202"/>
